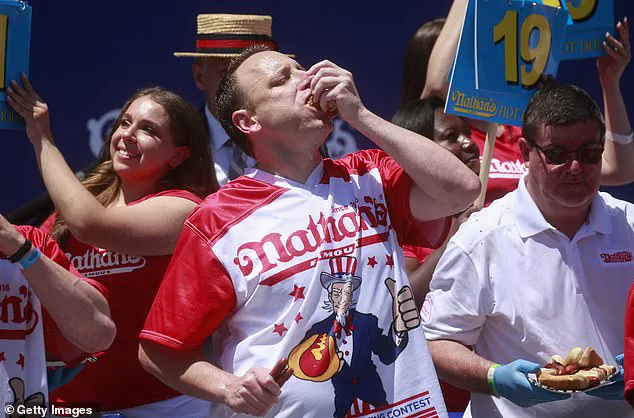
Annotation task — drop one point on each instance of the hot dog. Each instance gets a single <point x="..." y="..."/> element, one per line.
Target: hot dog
<point x="582" y="369"/>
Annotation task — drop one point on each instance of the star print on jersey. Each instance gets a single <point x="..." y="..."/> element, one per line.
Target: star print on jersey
<point x="298" y="317"/>
<point x="21" y="361"/>
<point x="297" y="293"/>
<point x="279" y="328"/>
<point x="390" y="261"/>
<point x="372" y="261"/>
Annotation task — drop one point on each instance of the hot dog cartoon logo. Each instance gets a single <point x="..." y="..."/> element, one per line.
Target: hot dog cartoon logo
<point x="339" y="348"/>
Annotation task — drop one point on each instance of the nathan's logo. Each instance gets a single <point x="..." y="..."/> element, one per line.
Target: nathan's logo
<point x="17" y="316"/>
<point x="618" y="257"/>
<point x="100" y="263"/>
<point x="274" y="247"/>
<point x="473" y="105"/>
<point x="507" y="169"/>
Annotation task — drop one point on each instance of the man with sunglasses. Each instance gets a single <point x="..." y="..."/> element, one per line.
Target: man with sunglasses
<point x="542" y="270"/>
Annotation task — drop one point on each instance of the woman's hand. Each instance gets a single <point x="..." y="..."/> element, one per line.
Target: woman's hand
<point x="28" y="104"/>
<point x="619" y="54"/>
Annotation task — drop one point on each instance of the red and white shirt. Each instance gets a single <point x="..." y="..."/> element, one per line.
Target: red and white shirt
<point x="117" y="380"/>
<point x="22" y="354"/>
<point x="252" y="266"/>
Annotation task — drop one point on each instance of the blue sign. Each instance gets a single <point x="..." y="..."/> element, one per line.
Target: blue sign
<point x="15" y="34"/>
<point x="588" y="22"/>
<point x="502" y="53"/>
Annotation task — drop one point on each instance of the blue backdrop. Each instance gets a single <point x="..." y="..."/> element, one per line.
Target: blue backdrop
<point x="87" y="58"/>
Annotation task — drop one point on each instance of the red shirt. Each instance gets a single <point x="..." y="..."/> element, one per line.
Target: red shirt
<point x="628" y="366"/>
<point x="117" y="380"/>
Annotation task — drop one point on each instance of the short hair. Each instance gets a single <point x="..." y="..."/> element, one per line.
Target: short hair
<point x="419" y="116"/>
<point x="559" y="105"/>
<point x="416" y="59"/>
<point x="229" y="98"/>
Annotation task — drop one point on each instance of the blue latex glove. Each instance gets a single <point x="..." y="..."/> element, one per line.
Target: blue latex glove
<point x="511" y="383"/>
<point x="59" y="376"/>
<point x="613" y="392"/>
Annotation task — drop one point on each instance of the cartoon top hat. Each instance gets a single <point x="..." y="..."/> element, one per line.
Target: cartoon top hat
<point x="342" y="269"/>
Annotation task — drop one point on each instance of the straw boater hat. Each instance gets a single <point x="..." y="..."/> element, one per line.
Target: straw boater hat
<point x="227" y="35"/>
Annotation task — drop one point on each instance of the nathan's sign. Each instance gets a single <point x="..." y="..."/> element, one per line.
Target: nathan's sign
<point x="588" y="22"/>
<point x="505" y="48"/>
<point x="15" y="35"/>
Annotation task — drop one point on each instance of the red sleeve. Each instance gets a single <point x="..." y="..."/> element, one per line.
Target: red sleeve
<point x="396" y="187"/>
<point x="195" y="296"/>
<point x="419" y="253"/>
<point x="47" y="225"/>
<point x="628" y="364"/>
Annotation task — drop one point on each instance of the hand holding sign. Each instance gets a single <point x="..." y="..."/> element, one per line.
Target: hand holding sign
<point x="619" y="54"/>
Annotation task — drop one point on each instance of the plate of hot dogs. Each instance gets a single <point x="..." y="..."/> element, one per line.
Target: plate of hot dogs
<point x="581" y="371"/>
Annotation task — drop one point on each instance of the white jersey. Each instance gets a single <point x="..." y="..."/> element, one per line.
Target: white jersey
<point x="266" y="262"/>
<point x="22" y="362"/>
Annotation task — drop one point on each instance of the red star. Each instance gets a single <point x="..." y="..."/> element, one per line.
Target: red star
<point x="298" y="317"/>
<point x="21" y="361"/>
<point x="372" y="262"/>
<point x="280" y="328"/>
<point x="297" y="293"/>
<point x="390" y="261"/>
<point x="2" y="357"/>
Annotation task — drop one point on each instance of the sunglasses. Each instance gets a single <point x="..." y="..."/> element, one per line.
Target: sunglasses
<point x="558" y="156"/>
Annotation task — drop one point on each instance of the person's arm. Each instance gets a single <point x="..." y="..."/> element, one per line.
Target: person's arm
<point x="618" y="159"/>
<point x="420" y="274"/>
<point x="148" y="228"/>
<point x="188" y="372"/>
<point x="460" y="366"/>
<point x="442" y="184"/>
<point x="442" y="55"/>
<point x="81" y="312"/>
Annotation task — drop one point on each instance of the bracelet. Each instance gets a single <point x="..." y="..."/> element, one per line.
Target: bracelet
<point x="29" y="259"/>
<point x="491" y="381"/>
<point x="619" y="138"/>
<point x="21" y="252"/>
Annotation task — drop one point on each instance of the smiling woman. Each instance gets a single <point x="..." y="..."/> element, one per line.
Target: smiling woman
<point x="120" y="228"/>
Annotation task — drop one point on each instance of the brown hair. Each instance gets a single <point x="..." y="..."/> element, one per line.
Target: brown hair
<point x="416" y="59"/>
<point x="195" y="174"/>
<point x="229" y="98"/>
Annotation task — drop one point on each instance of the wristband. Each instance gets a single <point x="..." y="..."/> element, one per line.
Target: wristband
<point x="491" y="381"/>
<point x="21" y="252"/>
<point x="618" y="138"/>
<point x="29" y="259"/>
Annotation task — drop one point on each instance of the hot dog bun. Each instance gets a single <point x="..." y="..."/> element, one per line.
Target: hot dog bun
<point x="564" y="382"/>
<point x="590" y="358"/>
<point x="574" y="356"/>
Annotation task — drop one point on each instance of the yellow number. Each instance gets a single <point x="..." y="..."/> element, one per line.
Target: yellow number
<point x="538" y="56"/>
<point x="3" y="50"/>
<point x="506" y="31"/>
<point x="583" y="11"/>
<point x="552" y="3"/>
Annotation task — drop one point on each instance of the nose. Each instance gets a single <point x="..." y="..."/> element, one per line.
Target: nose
<point x="127" y="133"/>
<point x="575" y="166"/>
<point x="468" y="146"/>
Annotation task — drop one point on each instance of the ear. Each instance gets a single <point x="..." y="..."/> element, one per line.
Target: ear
<point x="524" y="149"/>
<point x="198" y="71"/>
<point x="181" y="155"/>
<point x="245" y="122"/>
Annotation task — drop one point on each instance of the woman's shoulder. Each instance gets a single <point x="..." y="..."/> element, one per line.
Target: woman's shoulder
<point x="180" y="193"/>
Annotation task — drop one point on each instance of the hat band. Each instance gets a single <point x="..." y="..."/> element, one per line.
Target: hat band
<point x="231" y="44"/>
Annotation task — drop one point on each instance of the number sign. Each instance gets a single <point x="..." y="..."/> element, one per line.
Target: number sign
<point x="589" y="21"/>
<point x="504" y="48"/>
<point x="15" y="34"/>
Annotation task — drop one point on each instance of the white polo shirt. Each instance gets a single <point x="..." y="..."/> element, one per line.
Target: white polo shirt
<point x="514" y="287"/>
